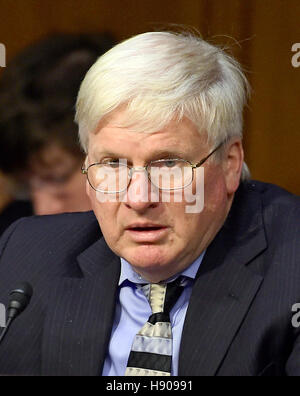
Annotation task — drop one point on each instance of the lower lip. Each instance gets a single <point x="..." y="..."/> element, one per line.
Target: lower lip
<point x="147" y="236"/>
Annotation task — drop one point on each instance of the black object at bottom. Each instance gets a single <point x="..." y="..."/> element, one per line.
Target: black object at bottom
<point x="159" y="317"/>
<point x="150" y="361"/>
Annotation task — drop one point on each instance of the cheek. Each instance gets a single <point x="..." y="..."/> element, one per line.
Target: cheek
<point x="195" y="225"/>
<point x="106" y="213"/>
<point x="182" y="223"/>
<point x="215" y="193"/>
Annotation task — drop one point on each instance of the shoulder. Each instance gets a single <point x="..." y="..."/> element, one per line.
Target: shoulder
<point x="278" y="212"/>
<point x="275" y="202"/>
<point x="44" y="240"/>
<point x="50" y="228"/>
<point x="273" y="194"/>
<point x="280" y="208"/>
<point x="269" y="210"/>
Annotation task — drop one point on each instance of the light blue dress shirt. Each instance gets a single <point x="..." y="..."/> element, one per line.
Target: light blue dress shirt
<point x="133" y="311"/>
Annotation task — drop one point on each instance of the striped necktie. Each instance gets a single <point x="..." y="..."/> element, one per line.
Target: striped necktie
<point x="151" y="351"/>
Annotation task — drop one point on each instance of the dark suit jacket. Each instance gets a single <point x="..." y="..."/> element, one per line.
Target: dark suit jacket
<point x="14" y="211"/>
<point x="239" y="319"/>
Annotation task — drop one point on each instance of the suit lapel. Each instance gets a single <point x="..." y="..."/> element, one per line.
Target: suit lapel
<point x="224" y="288"/>
<point x="81" y="310"/>
<point x="80" y="316"/>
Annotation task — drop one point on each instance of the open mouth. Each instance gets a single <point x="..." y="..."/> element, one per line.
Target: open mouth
<point x="146" y="228"/>
<point x="147" y="233"/>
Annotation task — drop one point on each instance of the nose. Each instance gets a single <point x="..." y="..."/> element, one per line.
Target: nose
<point x="140" y="196"/>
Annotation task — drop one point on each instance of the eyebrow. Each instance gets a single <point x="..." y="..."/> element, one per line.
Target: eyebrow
<point x="100" y="154"/>
<point x="159" y="154"/>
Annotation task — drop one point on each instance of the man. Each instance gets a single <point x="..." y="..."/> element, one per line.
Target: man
<point x="198" y="271"/>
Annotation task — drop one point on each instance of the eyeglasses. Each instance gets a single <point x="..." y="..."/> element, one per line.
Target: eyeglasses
<point x="114" y="176"/>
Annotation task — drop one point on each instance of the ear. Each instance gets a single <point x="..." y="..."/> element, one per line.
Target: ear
<point x="87" y="184"/>
<point x="233" y="164"/>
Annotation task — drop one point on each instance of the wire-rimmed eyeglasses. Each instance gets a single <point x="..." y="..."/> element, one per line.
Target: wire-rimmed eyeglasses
<point x="114" y="176"/>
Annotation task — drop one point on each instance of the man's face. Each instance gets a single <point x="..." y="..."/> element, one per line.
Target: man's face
<point x="129" y="226"/>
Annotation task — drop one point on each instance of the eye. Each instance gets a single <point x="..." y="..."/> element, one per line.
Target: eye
<point x="170" y="163"/>
<point x="112" y="163"/>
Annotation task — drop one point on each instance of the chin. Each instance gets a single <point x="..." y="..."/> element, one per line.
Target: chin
<point x="148" y="257"/>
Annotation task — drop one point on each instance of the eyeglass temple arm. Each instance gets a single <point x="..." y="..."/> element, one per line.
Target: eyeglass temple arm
<point x="83" y="170"/>
<point x="206" y="158"/>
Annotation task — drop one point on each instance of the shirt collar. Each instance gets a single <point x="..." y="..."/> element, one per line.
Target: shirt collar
<point x="128" y="273"/>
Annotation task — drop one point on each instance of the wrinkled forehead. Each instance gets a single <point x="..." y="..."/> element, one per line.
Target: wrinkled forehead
<point x="177" y="138"/>
<point x="127" y="118"/>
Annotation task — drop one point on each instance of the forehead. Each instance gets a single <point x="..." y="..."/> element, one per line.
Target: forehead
<point x="177" y="137"/>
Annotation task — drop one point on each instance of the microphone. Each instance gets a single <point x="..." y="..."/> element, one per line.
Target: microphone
<point x="19" y="299"/>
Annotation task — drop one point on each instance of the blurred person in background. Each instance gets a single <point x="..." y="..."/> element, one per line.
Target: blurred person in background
<point x="39" y="150"/>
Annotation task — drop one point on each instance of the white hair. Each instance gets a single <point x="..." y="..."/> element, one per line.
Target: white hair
<point x="162" y="76"/>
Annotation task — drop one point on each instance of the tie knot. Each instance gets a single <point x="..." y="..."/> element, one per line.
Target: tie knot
<point x="162" y="296"/>
<point x="157" y="295"/>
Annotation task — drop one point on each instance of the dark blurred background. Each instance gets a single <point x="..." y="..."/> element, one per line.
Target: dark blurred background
<point x="259" y="33"/>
